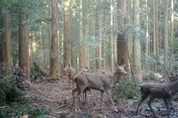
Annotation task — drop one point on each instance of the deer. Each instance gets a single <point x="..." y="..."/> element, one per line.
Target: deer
<point x="72" y="72"/>
<point x="101" y="82"/>
<point x="163" y="91"/>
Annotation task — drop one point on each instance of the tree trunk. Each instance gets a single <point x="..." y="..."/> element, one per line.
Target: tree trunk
<point x="23" y="47"/>
<point x="97" y="38"/>
<point x="122" y="51"/>
<point x="166" y="36"/>
<point x="147" y="38"/>
<point x="154" y="31"/>
<point x="31" y="49"/>
<point x="8" y="39"/>
<point x="172" y="32"/>
<point x="156" y="36"/>
<point x="2" y="41"/>
<point x="54" y="39"/>
<point x="67" y="45"/>
<point x="111" y="38"/>
<point x="136" y="44"/>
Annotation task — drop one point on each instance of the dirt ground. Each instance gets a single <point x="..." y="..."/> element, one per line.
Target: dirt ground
<point x="57" y="96"/>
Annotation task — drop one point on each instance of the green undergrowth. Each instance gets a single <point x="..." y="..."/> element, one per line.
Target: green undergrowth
<point x="128" y="90"/>
<point x="14" y="104"/>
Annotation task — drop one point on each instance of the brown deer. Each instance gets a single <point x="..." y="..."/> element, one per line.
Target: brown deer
<point x="163" y="91"/>
<point x="101" y="82"/>
<point x="72" y="72"/>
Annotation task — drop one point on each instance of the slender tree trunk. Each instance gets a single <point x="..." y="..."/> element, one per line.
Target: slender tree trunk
<point x="122" y="54"/>
<point x="54" y="39"/>
<point x="31" y="49"/>
<point x="136" y="44"/>
<point x="23" y="47"/>
<point x="111" y="38"/>
<point x="82" y="47"/>
<point x="147" y="37"/>
<point x="156" y="36"/>
<point x="154" y="31"/>
<point x="8" y="39"/>
<point x="41" y="63"/>
<point x="98" y="47"/>
<point x="129" y="43"/>
<point x="2" y="36"/>
<point x="67" y="45"/>
<point x="172" y="32"/>
<point x="166" y="35"/>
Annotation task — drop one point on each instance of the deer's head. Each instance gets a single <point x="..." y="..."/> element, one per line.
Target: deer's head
<point x="120" y="69"/>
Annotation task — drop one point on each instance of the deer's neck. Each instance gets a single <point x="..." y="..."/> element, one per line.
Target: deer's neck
<point x="116" y="77"/>
<point x="72" y="71"/>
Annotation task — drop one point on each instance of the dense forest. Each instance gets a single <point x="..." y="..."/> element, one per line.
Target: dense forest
<point x="39" y="38"/>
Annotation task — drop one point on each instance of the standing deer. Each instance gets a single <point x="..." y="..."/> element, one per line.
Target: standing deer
<point x="101" y="82"/>
<point x="72" y="72"/>
<point x="163" y="91"/>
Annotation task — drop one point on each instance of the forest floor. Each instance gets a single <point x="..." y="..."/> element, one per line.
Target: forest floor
<point x="57" y="97"/>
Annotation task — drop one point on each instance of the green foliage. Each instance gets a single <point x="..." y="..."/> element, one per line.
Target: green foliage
<point x="8" y="92"/>
<point x="173" y="44"/>
<point x="126" y="89"/>
<point x="14" y="104"/>
<point x="38" y="112"/>
<point x="37" y="74"/>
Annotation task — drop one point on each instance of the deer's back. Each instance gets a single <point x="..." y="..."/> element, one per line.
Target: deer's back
<point x="95" y="81"/>
<point x="155" y="90"/>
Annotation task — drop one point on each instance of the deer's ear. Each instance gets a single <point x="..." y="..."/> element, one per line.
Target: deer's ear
<point x="123" y="65"/>
<point x="117" y="65"/>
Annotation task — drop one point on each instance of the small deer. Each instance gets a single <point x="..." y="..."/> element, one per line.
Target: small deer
<point x="163" y="91"/>
<point x="101" y="82"/>
<point x="71" y="73"/>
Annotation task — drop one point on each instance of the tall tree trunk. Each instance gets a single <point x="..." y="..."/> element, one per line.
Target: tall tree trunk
<point x="82" y="45"/>
<point x="54" y="39"/>
<point x="2" y="36"/>
<point x="31" y="49"/>
<point x="8" y="39"/>
<point x="166" y="35"/>
<point x="154" y="31"/>
<point x="156" y="36"/>
<point x="98" y="47"/>
<point x="111" y="38"/>
<point x="41" y="56"/>
<point x="172" y="18"/>
<point x="122" y="51"/>
<point x="23" y="47"/>
<point x="147" y="37"/>
<point x="172" y="32"/>
<point x="67" y="45"/>
<point x="129" y="43"/>
<point x="136" y="43"/>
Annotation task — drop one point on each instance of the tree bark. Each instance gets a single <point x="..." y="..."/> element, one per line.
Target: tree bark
<point x="54" y="39"/>
<point x="136" y="44"/>
<point x="8" y="39"/>
<point x="2" y="41"/>
<point x="23" y="47"/>
<point x="147" y="38"/>
<point x="67" y="45"/>
<point x="166" y="36"/>
<point x="122" y="51"/>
